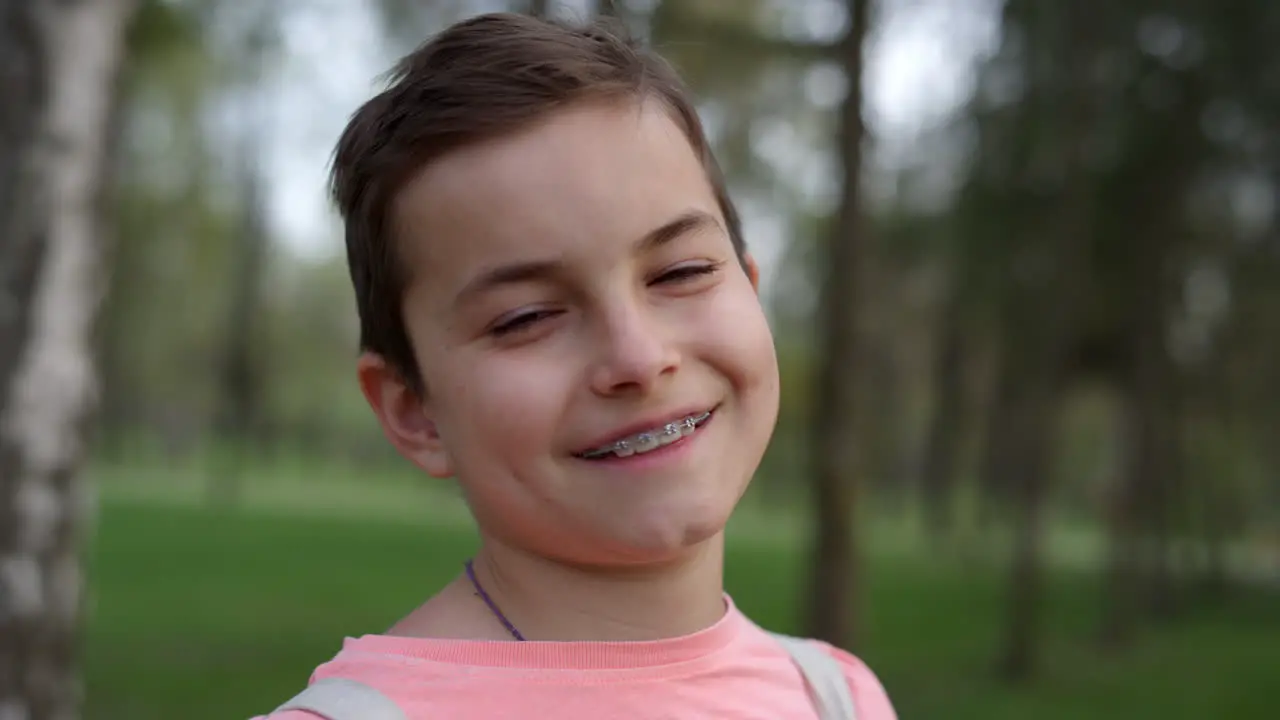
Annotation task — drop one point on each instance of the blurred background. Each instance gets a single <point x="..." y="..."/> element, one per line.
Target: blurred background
<point x="1022" y="261"/>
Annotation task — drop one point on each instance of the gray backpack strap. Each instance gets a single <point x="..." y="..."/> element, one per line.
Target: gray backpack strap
<point x="827" y="683"/>
<point x="343" y="699"/>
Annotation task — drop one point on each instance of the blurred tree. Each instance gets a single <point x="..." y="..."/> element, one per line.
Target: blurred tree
<point x="1139" y="250"/>
<point x="174" y="221"/>
<point x="1038" y="156"/>
<point x="59" y="86"/>
<point x="1101" y="214"/>
<point x="833" y="591"/>
<point x="241" y="385"/>
<point x="192" y="227"/>
<point x="946" y="423"/>
<point x="240" y="417"/>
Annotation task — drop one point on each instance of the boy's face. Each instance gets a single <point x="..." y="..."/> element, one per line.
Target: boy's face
<point x="572" y="285"/>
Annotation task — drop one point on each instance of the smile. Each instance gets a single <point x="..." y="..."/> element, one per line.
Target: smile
<point x="650" y="440"/>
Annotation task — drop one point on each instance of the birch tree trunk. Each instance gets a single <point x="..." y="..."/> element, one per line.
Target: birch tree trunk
<point x="59" y="62"/>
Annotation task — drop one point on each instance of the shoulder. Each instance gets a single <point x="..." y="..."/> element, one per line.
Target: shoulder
<point x="868" y="693"/>
<point x="380" y="672"/>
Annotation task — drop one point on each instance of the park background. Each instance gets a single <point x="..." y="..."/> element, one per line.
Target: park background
<point x="1021" y="258"/>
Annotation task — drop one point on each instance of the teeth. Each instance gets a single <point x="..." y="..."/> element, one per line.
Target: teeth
<point x="646" y="442"/>
<point x="651" y="439"/>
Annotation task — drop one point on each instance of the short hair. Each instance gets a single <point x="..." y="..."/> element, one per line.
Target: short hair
<point x="481" y="78"/>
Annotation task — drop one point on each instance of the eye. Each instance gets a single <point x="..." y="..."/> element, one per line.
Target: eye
<point x="522" y="321"/>
<point x="685" y="273"/>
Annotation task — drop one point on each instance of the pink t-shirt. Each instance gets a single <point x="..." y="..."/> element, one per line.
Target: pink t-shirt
<point x="733" y="670"/>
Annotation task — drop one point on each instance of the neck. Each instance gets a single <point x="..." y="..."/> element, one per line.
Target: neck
<point x="547" y="600"/>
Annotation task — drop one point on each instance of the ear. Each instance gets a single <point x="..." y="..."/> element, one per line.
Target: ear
<point x="753" y="271"/>
<point x="404" y="415"/>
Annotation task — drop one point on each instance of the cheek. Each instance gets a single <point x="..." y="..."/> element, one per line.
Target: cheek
<point x="734" y="335"/>
<point x="500" y="410"/>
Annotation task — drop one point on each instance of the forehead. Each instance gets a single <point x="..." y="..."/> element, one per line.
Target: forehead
<point x="585" y="179"/>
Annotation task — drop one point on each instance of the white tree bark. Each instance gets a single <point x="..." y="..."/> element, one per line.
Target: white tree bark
<point x="59" y="62"/>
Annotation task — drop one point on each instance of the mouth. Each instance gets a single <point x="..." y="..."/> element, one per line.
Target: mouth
<point x="650" y="440"/>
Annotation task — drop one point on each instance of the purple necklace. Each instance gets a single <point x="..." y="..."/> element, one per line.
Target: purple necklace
<point x="493" y="607"/>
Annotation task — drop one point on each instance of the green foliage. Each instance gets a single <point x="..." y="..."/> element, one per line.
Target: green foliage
<point x="310" y="327"/>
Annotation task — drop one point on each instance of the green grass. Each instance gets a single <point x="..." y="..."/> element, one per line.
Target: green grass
<point x="197" y="614"/>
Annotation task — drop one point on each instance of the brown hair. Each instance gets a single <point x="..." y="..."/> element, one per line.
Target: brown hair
<point x="481" y="78"/>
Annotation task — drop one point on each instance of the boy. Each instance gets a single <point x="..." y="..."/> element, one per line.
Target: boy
<point x="558" y="310"/>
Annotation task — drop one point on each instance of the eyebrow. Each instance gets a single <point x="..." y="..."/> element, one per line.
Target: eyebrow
<point x="531" y="270"/>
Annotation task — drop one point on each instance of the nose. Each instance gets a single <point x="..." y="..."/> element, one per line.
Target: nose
<point x="635" y="355"/>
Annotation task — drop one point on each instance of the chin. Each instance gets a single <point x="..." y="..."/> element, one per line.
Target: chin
<point x="670" y="538"/>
